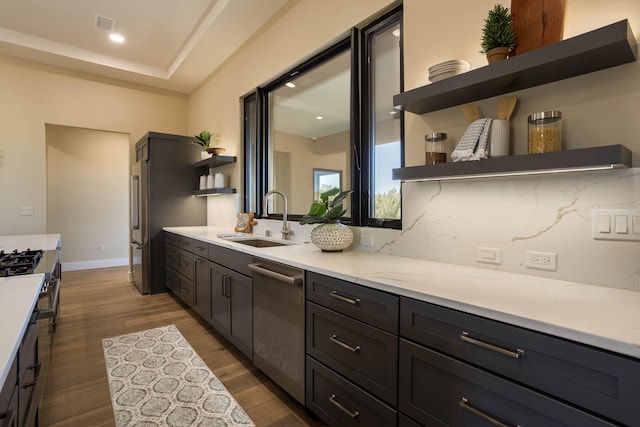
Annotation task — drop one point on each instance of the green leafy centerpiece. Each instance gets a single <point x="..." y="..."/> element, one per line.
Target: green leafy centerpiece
<point x="331" y="235"/>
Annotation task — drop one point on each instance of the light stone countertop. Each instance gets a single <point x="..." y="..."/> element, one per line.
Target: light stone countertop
<point x="34" y="242"/>
<point x="595" y="315"/>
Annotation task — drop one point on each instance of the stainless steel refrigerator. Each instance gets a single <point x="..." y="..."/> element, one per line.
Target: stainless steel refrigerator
<point x="163" y="181"/>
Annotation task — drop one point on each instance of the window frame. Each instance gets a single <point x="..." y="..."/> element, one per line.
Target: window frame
<point x="392" y="18"/>
<point x="357" y="40"/>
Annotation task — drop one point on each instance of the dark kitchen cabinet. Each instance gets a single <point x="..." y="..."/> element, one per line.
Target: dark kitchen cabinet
<point x="180" y="267"/>
<point x="439" y="345"/>
<point x="231" y="306"/>
<point x="202" y="287"/>
<point x="9" y="397"/>
<point x="352" y="352"/>
<point x="438" y="390"/>
<point x="216" y="283"/>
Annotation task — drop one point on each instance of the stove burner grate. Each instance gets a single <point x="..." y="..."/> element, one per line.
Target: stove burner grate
<point x="17" y="263"/>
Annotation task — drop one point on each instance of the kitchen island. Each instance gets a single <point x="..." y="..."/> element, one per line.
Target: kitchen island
<point x="598" y="316"/>
<point x="18" y="297"/>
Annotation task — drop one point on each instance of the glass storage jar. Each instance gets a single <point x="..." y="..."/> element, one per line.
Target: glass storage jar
<point x="435" y="147"/>
<point x="545" y="132"/>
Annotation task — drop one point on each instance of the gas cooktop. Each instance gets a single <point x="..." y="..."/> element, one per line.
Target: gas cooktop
<point x="17" y="263"/>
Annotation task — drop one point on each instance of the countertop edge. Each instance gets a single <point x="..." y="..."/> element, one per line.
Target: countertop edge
<point x="394" y="285"/>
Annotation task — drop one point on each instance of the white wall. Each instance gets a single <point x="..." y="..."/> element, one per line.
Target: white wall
<point x="33" y="95"/>
<point x="447" y="221"/>
<point x="88" y="195"/>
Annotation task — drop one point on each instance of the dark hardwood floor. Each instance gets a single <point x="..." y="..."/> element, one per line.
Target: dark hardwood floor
<point x="97" y="304"/>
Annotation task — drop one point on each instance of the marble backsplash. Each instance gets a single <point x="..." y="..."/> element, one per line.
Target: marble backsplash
<point x="446" y="221"/>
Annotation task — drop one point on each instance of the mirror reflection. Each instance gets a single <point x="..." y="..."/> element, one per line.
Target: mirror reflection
<point x="309" y="129"/>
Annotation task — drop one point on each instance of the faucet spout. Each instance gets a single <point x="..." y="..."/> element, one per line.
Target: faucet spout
<point x="285" y="225"/>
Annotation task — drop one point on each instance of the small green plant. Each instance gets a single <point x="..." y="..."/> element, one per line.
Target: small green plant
<point x="497" y="31"/>
<point x="208" y="139"/>
<point x="328" y="209"/>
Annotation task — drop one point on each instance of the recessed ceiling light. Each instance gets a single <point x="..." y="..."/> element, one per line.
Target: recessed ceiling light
<point x="396" y="32"/>
<point x="116" y="38"/>
<point x="319" y="117"/>
<point x="393" y="112"/>
<point x="289" y="84"/>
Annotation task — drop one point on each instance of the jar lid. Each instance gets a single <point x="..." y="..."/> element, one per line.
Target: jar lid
<point x="435" y="136"/>
<point x="545" y="117"/>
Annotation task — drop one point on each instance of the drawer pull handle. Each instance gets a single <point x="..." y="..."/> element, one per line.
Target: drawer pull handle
<point x="515" y="354"/>
<point x="464" y="404"/>
<point x="337" y="296"/>
<point x="337" y="404"/>
<point x="334" y="339"/>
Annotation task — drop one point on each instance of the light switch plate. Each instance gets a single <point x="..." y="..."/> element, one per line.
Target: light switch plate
<point x="26" y="210"/>
<point x="489" y="255"/>
<point x="621" y="224"/>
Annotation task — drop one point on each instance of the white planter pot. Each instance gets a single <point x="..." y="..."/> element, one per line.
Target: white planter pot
<point x="332" y="237"/>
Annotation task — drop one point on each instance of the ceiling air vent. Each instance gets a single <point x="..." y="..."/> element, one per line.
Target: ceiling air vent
<point x="104" y="23"/>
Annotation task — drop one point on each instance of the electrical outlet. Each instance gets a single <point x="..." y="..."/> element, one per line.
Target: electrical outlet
<point x="489" y="255"/>
<point x="366" y="240"/>
<point x="102" y="247"/>
<point x="541" y="260"/>
<point x="26" y="210"/>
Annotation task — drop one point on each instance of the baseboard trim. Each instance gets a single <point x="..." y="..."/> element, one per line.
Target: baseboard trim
<point x="99" y="263"/>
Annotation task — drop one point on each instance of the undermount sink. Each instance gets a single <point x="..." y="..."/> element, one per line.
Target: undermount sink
<point x="262" y="243"/>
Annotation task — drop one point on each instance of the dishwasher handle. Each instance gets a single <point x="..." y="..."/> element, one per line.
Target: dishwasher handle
<point x="291" y="280"/>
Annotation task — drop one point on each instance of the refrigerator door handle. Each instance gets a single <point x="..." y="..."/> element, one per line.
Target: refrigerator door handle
<point x="135" y="202"/>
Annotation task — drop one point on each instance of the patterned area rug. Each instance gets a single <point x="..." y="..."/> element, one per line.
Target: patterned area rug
<point x="157" y="379"/>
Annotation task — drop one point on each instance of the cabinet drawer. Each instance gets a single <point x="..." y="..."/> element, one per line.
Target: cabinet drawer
<point x="185" y="243"/>
<point x="171" y="256"/>
<point x="186" y="265"/>
<point x="437" y="390"/>
<point x="170" y="238"/>
<point x="340" y="403"/>
<point x="172" y="280"/>
<point x="602" y="382"/>
<point x="363" y="354"/>
<point x="186" y="291"/>
<point x="9" y="387"/>
<point x="201" y="248"/>
<point x="370" y="306"/>
<point x="234" y="260"/>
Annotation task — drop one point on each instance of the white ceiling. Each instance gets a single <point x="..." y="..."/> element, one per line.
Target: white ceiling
<point x="170" y="44"/>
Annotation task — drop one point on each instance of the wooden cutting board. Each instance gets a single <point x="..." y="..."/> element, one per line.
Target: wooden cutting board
<point x="536" y="23"/>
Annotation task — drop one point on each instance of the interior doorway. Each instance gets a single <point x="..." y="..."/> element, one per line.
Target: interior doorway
<point x="88" y="195"/>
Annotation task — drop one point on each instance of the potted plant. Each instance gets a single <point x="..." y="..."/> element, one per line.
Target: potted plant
<point x="498" y="38"/>
<point x="330" y="235"/>
<point x="210" y="142"/>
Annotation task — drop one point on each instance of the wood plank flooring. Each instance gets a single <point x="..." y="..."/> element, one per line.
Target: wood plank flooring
<point x="97" y="304"/>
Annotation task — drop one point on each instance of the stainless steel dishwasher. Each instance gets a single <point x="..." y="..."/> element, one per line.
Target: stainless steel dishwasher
<point x="278" y="324"/>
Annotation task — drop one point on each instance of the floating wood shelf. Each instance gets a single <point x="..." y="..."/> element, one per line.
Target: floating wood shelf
<point x="596" y="50"/>
<point x="583" y="159"/>
<point x="215" y="161"/>
<point x="214" y="191"/>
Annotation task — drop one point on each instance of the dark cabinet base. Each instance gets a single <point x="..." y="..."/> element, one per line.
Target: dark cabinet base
<point x="437" y="390"/>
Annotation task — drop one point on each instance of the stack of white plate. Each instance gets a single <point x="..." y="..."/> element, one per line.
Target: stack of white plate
<point x="447" y="69"/>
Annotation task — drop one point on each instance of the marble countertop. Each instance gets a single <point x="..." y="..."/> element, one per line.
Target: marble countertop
<point x="18" y="297"/>
<point x="35" y="242"/>
<point x="595" y="315"/>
